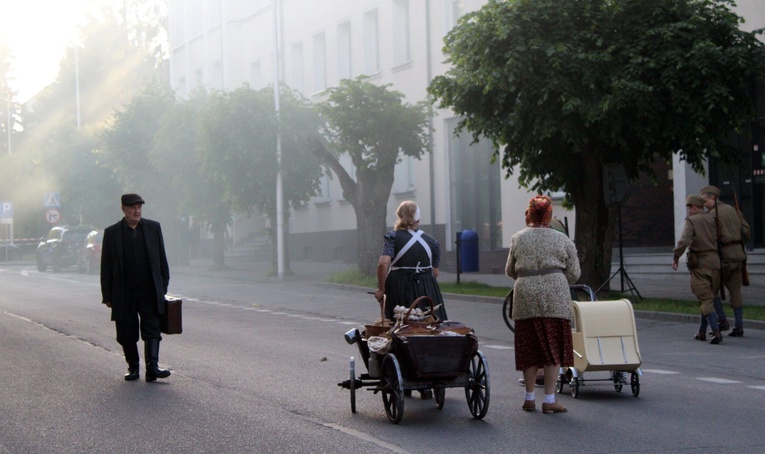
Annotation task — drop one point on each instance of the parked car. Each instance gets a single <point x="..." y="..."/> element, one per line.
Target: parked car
<point x="61" y="247"/>
<point x="9" y="251"/>
<point x="89" y="256"/>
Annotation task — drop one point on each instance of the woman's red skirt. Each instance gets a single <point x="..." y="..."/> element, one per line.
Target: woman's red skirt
<point x="543" y="342"/>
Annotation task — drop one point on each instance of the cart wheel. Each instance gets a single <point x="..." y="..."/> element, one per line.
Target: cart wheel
<point x="507" y="309"/>
<point x="353" y="385"/>
<point x="635" y="384"/>
<point x="619" y="379"/>
<point x="392" y="389"/>
<point x="439" y="394"/>
<point x="477" y="390"/>
<point x="574" y="385"/>
<point x="559" y="385"/>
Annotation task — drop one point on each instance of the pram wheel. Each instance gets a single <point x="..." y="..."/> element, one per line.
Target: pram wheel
<point x="574" y="385"/>
<point x="635" y="384"/>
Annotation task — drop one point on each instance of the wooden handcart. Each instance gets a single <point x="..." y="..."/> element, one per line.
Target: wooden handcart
<point x="418" y="361"/>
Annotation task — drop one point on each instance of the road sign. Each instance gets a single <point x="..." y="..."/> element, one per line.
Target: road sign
<point x="52" y="200"/>
<point x="52" y="215"/>
<point x="6" y="212"/>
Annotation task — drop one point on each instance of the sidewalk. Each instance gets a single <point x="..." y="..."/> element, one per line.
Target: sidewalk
<point x="671" y="285"/>
<point x="674" y="285"/>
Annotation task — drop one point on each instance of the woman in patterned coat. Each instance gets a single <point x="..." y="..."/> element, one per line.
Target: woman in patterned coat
<point x="543" y="262"/>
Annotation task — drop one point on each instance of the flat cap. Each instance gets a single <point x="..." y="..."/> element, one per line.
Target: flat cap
<point x="695" y="200"/>
<point x="710" y="190"/>
<point x="131" y="199"/>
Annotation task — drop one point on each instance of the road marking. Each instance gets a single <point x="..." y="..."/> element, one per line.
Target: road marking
<point x="720" y="381"/>
<point x="761" y="388"/>
<point x="661" y="371"/>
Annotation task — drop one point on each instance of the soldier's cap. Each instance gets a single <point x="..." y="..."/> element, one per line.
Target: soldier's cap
<point x="129" y="200"/>
<point x="710" y="190"/>
<point x="695" y="200"/>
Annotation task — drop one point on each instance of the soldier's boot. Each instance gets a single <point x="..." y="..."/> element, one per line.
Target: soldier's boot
<point x="153" y="372"/>
<point x="738" y="315"/>
<point x="133" y="361"/>
<point x="716" y="336"/>
<point x="721" y="319"/>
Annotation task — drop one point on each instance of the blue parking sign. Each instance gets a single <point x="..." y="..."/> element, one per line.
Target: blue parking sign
<point x="6" y="209"/>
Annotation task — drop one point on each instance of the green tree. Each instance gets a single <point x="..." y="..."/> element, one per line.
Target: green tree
<point x="564" y="87"/>
<point x="9" y="108"/>
<point x="374" y="126"/>
<point x="239" y="145"/>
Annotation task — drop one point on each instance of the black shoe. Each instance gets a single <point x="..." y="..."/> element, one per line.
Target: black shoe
<point x="716" y="339"/>
<point x="155" y="373"/>
<point x="724" y="325"/>
<point x="700" y="336"/>
<point x="132" y="373"/>
<point x="737" y="332"/>
<point x="152" y="360"/>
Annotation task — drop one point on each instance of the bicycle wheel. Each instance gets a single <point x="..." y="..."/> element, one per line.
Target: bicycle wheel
<point x="507" y="311"/>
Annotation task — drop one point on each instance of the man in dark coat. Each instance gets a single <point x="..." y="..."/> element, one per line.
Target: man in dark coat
<point x="134" y="280"/>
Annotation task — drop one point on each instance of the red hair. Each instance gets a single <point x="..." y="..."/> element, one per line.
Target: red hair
<point x="539" y="212"/>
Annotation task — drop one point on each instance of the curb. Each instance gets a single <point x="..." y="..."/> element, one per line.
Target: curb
<point x="648" y="315"/>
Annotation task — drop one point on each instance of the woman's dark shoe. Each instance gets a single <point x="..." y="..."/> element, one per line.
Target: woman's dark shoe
<point x="700" y="336"/>
<point x="737" y="332"/>
<point x="716" y="338"/>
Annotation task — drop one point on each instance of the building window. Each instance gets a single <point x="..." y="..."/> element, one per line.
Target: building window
<point x="296" y="75"/>
<point x="474" y="188"/>
<point x="198" y="80"/>
<point x="401" y="48"/>
<point x="454" y="9"/>
<point x="213" y="12"/>
<point x="216" y="75"/>
<point x="324" y="191"/>
<point x="319" y="62"/>
<point x="371" y="43"/>
<point x="403" y="176"/>
<point x="344" y="69"/>
<point x="256" y="78"/>
<point x="197" y="20"/>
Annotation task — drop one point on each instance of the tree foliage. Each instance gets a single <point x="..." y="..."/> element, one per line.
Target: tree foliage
<point x="562" y="88"/>
<point x="373" y="126"/>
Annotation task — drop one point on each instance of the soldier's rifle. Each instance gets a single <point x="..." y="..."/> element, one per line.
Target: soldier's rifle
<point x="719" y="251"/>
<point x="744" y="271"/>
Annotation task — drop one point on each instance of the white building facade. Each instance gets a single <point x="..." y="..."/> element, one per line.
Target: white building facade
<point x="222" y="44"/>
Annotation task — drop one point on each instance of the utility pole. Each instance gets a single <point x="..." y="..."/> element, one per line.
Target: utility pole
<point x="279" y="188"/>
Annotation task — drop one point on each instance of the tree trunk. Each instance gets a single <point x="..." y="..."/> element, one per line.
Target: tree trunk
<point x="219" y="247"/>
<point x="595" y="224"/>
<point x="371" y="205"/>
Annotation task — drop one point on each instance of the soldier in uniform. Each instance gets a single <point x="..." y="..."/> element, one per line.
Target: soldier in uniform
<point x="700" y="238"/>
<point x="734" y="233"/>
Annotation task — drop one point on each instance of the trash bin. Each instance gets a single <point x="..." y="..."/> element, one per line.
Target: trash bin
<point x="468" y="244"/>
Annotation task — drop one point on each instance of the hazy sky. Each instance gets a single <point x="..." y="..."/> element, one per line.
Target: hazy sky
<point x="37" y="31"/>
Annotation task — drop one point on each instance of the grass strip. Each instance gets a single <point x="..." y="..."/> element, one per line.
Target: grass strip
<point x="352" y="276"/>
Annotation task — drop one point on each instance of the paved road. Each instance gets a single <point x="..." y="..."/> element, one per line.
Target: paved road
<point x="257" y="367"/>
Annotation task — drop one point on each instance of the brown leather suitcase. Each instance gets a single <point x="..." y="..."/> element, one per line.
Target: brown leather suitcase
<point x="171" y="322"/>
